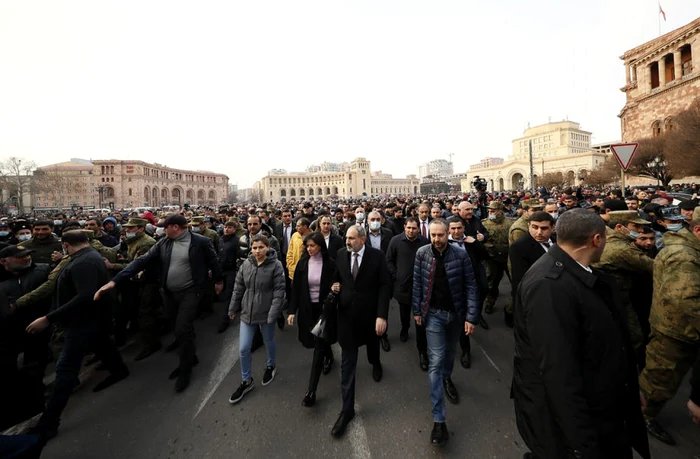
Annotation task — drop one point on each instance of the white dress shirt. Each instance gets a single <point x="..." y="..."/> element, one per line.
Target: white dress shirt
<point x="360" y="255"/>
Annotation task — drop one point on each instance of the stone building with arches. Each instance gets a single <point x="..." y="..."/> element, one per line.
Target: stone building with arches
<point x="358" y="180"/>
<point x="662" y="78"/>
<point x="556" y="147"/>
<point x="127" y="184"/>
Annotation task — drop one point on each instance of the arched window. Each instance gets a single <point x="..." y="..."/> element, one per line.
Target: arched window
<point x="668" y="124"/>
<point x="656" y="129"/>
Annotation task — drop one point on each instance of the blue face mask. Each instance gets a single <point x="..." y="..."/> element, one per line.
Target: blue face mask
<point x="633" y="234"/>
<point x="674" y="227"/>
<point x="4" y="233"/>
<point x="492" y="217"/>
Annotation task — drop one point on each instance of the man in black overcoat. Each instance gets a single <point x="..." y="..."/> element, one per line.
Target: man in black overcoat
<point x="362" y="278"/>
<point x="575" y="375"/>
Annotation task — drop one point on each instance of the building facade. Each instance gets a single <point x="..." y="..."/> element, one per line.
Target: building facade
<point x="357" y="181"/>
<point x="435" y="168"/>
<point x="125" y="184"/>
<point x="556" y="147"/>
<point x="662" y="78"/>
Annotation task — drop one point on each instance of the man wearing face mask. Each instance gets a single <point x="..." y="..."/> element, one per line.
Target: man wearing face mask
<point x="624" y="261"/>
<point x="5" y="233"/>
<point x="136" y="239"/>
<point x="58" y="221"/>
<point x="360" y="217"/>
<point x="27" y="389"/>
<point x="23" y="233"/>
<point x="671" y="219"/>
<point x="552" y="209"/>
<point x="42" y="243"/>
<point x="379" y="238"/>
<point x="199" y="226"/>
<point x="498" y="227"/>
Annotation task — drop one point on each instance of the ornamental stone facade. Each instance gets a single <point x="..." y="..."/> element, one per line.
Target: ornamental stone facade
<point x="356" y="181"/>
<point x="125" y="184"/>
<point x="662" y="79"/>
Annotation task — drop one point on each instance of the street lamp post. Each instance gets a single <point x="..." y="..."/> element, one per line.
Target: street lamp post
<point x="521" y="182"/>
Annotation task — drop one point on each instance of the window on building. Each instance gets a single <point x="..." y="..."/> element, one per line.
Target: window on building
<point x="686" y="60"/>
<point x="656" y="129"/>
<point x="668" y="124"/>
<point x="654" y="70"/>
<point x="670" y="71"/>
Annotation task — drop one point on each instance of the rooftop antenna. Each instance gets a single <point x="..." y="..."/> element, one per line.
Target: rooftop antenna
<point x="450" y="155"/>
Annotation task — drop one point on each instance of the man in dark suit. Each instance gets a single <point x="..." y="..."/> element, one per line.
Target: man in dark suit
<point x="333" y="241"/>
<point x="524" y="252"/>
<point x="284" y="231"/>
<point x="363" y="282"/>
<point x="379" y="237"/>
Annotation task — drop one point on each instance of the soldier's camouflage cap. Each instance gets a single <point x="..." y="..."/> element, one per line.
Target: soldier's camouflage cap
<point x="627" y="216"/>
<point x="496" y="205"/>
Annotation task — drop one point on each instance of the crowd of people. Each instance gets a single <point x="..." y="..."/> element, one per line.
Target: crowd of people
<point x="604" y="300"/>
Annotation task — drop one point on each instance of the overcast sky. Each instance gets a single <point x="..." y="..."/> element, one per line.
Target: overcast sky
<point x="241" y="87"/>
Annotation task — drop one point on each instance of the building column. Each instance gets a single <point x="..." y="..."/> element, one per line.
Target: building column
<point x="695" y="55"/>
<point x="634" y="74"/>
<point x="677" y="70"/>
<point x="628" y="80"/>
<point x="647" y="76"/>
<point x="662" y="72"/>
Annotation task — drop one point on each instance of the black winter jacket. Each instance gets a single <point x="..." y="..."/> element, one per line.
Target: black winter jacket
<point x="575" y="377"/>
<point x="399" y="258"/>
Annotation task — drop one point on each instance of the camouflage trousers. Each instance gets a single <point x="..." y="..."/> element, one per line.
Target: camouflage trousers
<point x="495" y="269"/>
<point x="56" y="342"/>
<point x="668" y="361"/>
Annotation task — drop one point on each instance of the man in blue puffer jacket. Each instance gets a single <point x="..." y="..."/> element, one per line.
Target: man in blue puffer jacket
<point x="445" y="302"/>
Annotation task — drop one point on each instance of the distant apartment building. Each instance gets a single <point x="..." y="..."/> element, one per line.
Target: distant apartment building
<point x="435" y="168"/>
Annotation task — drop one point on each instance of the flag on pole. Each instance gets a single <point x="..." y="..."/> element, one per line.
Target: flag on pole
<point x="661" y="12"/>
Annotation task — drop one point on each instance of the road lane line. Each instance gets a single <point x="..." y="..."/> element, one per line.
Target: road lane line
<point x="487" y="356"/>
<point x="228" y="356"/>
<point x="358" y="437"/>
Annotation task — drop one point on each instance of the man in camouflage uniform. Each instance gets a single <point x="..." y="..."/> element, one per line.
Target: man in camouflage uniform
<point x="131" y="299"/>
<point x="674" y="320"/>
<point x="200" y="226"/>
<point x="498" y="227"/>
<point x="623" y="260"/>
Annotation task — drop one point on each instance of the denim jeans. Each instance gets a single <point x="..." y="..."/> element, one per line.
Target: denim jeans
<point x="442" y="331"/>
<point x="247" y="331"/>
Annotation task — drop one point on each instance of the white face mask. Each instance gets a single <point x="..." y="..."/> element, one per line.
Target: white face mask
<point x="130" y="235"/>
<point x="196" y="229"/>
<point x="359" y="217"/>
<point x="24" y="237"/>
<point x="554" y="215"/>
<point x="82" y="222"/>
<point x="160" y="231"/>
<point x="374" y="226"/>
<point x="674" y="227"/>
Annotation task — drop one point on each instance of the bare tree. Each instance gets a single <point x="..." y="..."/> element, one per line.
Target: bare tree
<point x="16" y="177"/>
<point x="58" y="185"/>
<point x="606" y="173"/>
<point x="683" y="142"/>
<point x="551" y="180"/>
<point x="651" y="160"/>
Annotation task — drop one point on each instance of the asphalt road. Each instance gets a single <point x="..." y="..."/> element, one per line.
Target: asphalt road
<point x="143" y="417"/>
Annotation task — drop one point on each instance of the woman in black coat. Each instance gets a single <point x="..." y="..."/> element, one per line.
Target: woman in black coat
<point x="313" y="277"/>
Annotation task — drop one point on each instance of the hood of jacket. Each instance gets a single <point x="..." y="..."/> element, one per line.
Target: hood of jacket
<point x="110" y="219"/>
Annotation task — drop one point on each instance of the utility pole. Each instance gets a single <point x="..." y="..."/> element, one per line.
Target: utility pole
<point x="532" y="170"/>
<point x="450" y="155"/>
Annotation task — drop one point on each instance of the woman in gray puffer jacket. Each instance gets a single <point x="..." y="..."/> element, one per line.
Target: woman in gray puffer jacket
<point x="258" y="295"/>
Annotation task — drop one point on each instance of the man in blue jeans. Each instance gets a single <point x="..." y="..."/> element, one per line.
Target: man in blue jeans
<point x="445" y="302"/>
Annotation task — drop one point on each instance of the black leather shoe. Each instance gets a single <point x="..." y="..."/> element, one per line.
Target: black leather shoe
<point x="403" y="336"/>
<point x="183" y="380"/>
<point x="110" y="380"/>
<point x="147" y="351"/>
<point x="450" y="390"/>
<point x="423" y="360"/>
<point x="377" y="372"/>
<point x="386" y="345"/>
<point x="342" y="422"/>
<point x="309" y="399"/>
<point x="658" y="432"/>
<point x="509" y="319"/>
<point x="327" y="365"/>
<point x="439" y="435"/>
<point x="176" y="372"/>
<point x="172" y="346"/>
<point x="466" y="359"/>
<point x="280" y="322"/>
<point x="223" y="326"/>
<point x="483" y="324"/>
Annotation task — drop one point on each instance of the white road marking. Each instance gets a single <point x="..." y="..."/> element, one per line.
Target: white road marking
<point x="487" y="356"/>
<point x="358" y="437"/>
<point x="228" y="356"/>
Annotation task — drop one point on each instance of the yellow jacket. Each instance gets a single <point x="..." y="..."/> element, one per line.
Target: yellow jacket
<point x="296" y="249"/>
